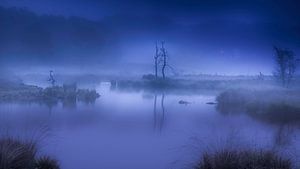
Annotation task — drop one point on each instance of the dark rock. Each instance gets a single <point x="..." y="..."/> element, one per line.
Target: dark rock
<point x="184" y="102"/>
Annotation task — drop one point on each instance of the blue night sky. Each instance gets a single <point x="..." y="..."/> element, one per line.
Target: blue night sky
<point x="215" y="36"/>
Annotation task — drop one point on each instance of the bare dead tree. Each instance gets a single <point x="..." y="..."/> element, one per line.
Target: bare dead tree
<point x="156" y="59"/>
<point x="164" y="59"/>
<point x="286" y="65"/>
<point x="161" y="60"/>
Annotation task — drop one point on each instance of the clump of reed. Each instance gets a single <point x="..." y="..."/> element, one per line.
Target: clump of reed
<point x="18" y="154"/>
<point x="243" y="159"/>
<point x="46" y="162"/>
<point x="15" y="154"/>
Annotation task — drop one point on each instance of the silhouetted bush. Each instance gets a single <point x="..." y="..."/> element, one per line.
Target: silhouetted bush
<point x="66" y="93"/>
<point x="243" y="159"/>
<point x="278" y="107"/>
<point x="54" y="92"/>
<point x="86" y="95"/>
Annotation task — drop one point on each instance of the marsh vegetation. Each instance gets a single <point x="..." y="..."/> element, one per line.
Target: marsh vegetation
<point x="17" y="154"/>
<point x="185" y="104"/>
<point x="196" y="84"/>
<point x="245" y="159"/>
<point x="29" y="93"/>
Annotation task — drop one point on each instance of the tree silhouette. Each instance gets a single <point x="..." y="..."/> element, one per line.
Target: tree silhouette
<point x="164" y="59"/>
<point x="156" y="59"/>
<point x="286" y="64"/>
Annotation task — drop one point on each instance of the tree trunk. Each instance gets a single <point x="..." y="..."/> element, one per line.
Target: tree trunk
<point x="156" y="60"/>
<point x="164" y="55"/>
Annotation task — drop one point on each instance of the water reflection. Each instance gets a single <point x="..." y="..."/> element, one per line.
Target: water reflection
<point x="69" y="102"/>
<point x="113" y="85"/>
<point x="277" y="114"/>
<point x="50" y="104"/>
<point x="159" y="113"/>
<point x="281" y="117"/>
<point x="123" y="125"/>
<point x="284" y="135"/>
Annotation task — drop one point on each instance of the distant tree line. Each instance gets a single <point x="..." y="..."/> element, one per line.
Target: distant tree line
<point x="26" y="35"/>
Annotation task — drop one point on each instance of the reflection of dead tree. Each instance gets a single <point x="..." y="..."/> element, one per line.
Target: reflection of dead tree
<point x="50" y="104"/>
<point x="163" y="111"/>
<point x="159" y="118"/>
<point x="155" y="109"/>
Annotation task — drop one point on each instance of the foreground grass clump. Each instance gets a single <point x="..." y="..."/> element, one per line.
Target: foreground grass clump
<point x="16" y="154"/>
<point x="243" y="159"/>
<point x="46" y="163"/>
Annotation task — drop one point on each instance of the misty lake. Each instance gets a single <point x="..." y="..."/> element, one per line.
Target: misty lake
<point x="140" y="129"/>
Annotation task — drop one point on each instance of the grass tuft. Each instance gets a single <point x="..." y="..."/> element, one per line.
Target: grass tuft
<point x="46" y="163"/>
<point x="15" y="154"/>
<point x="243" y="159"/>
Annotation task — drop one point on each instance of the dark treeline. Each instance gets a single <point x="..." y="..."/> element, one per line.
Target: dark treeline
<point x="28" y="36"/>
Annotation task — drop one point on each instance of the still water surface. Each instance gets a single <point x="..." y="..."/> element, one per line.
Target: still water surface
<point x="140" y="130"/>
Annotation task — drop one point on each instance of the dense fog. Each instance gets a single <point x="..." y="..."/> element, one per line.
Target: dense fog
<point x="144" y="84"/>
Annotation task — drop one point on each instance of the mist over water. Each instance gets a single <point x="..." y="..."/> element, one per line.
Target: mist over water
<point x="87" y="84"/>
<point x="140" y="129"/>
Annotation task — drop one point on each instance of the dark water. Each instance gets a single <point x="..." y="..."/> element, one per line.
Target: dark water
<point x="140" y="130"/>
